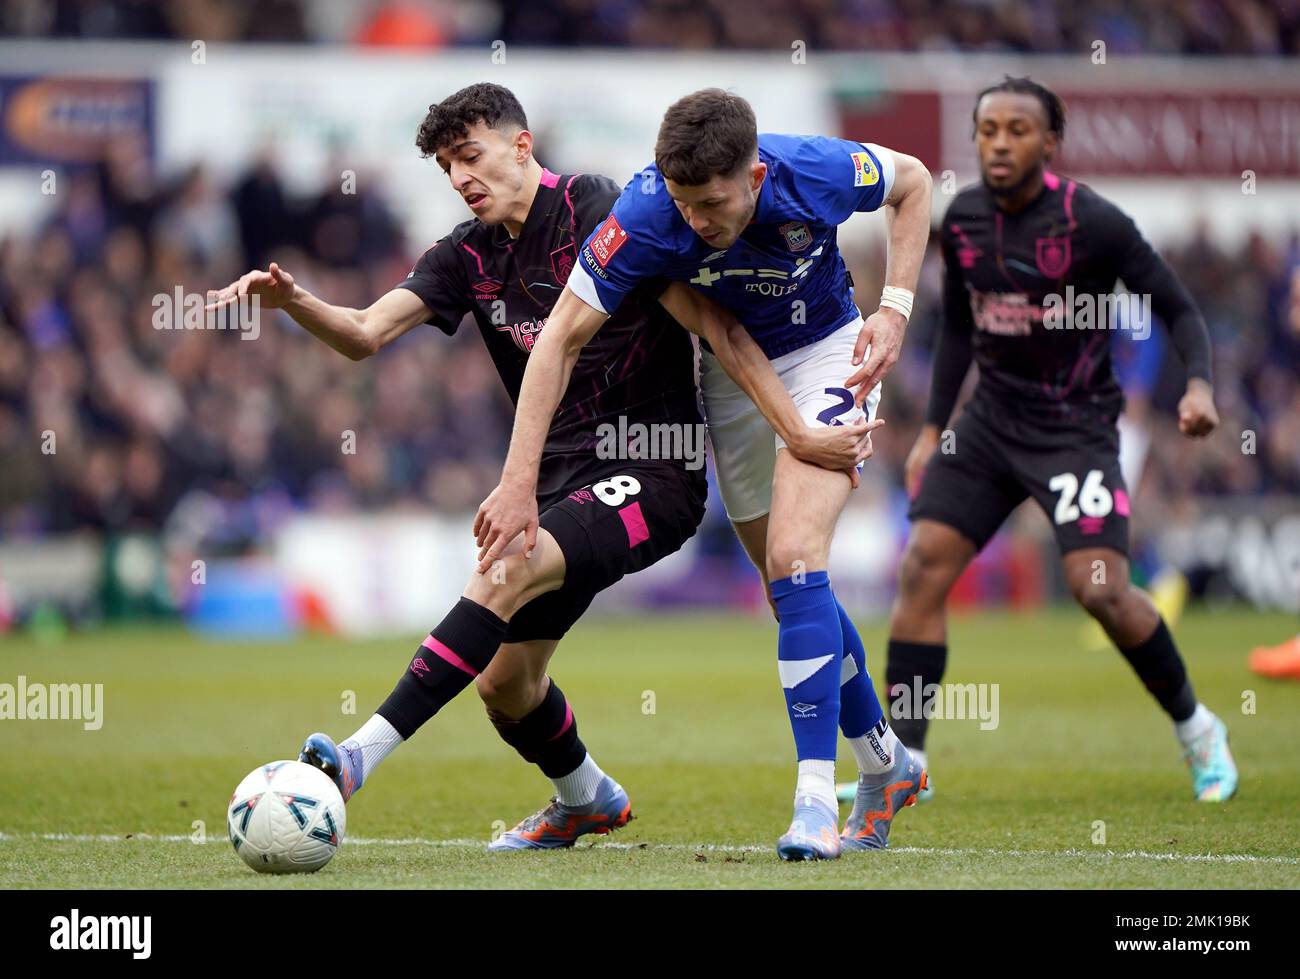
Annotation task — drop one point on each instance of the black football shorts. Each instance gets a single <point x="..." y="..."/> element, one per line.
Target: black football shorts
<point x="618" y="524"/>
<point x="998" y="458"/>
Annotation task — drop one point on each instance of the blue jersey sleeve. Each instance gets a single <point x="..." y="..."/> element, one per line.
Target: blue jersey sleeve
<point x="625" y="249"/>
<point x="839" y="177"/>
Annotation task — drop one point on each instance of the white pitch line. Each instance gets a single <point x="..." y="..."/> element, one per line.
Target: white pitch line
<point x="708" y="848"/>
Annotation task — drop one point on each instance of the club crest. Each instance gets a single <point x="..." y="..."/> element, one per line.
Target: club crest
<point x="798" y="236"/>
<point x="1052" y="255"/>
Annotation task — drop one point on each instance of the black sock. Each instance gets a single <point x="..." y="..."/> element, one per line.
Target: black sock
<point x="457" y="651"/>
<point x="1161" y="670"/>
<point x="909" y="668"/>
<point x="547" y="736"/>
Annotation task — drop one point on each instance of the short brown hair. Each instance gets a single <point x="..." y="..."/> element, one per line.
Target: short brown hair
<point x="706" y="134"/>
<point x="449" y="120"/>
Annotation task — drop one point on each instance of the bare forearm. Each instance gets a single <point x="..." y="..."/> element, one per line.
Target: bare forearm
<point x="747" y="365"/>
<point x="341" y="327"/>
<point x="544" y="384"/>
<point x="571" y="324"/>
<point x="909" y="231"/>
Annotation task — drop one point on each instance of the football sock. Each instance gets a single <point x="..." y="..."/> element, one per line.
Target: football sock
<point x="1200" y="722"/>
<point x="874" y="751"/>
<point x="457" y="651"/>
<point x="578" y="788"/>
<point x="817" y="779"/>
<point x="1161" y="670"/>
<point x="860" y="709"/>
<point x="861" y="718"/>
<point x="547" y="736"/>
<point x="375" y="739"/>
<point x="810" y="646"/>
<point x="909" y="668"/>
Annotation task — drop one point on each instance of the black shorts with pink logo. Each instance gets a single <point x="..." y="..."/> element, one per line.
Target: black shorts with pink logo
<point x="617" y="524"/>
<point x="995" y="459"/>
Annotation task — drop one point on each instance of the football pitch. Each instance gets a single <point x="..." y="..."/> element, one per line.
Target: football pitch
<point x="1075" y="780"/>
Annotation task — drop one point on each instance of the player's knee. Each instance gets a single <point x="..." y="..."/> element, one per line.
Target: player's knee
<point x="787" y="556"/>
<point x="502" y="587"/>
<point x="924" y="573"/>
<point x="508" y="695"/>
<point x="1104" y="601"/>
<point x="491" y="691"/>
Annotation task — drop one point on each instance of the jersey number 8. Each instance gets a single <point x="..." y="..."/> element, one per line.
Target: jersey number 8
<point x="616" y="489"/>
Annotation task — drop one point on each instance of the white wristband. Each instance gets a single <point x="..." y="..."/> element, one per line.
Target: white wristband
<point x="898" y="298"/>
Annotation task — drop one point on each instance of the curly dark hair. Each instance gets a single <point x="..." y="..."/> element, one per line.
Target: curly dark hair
<point x="1052" y="104"/>
<point x="706" y="134"/>
<point x="450" y="119"/>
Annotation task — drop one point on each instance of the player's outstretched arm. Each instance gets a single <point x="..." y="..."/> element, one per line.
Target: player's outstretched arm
<point x="1145" y="273"/>
<point x="511" y="508"/>
<point x="355" y="333"/>
<point x="908" y="217"/>
<point x="840" y="447"/>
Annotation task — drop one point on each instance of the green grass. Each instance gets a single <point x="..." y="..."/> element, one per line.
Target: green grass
<point x="1078" y="741"/>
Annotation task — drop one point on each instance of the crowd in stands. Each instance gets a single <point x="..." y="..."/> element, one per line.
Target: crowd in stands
<point x="108" y="422"/>
<point x="1187" y="27"/>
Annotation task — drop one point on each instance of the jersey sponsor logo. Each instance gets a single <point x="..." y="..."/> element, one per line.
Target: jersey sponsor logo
<point x="798" y="235"/>
<point x="1004" y="313"/>
<point x="562" y="260"/>
<point x="705" y="276"/>
<point x="524" y="333"/>
<point x="865" y="173"/>
<point x="486" y="288"/>
<point x="608" y="239"/>
<point x="1052" y="255"/>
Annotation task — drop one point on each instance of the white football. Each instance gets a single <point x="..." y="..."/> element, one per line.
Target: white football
<point x="286" y="817"/>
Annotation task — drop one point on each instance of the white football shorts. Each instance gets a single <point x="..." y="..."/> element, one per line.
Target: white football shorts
<point x="744" y="445"/>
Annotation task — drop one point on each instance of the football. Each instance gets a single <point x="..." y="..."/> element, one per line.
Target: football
<point x="286" y="817"/>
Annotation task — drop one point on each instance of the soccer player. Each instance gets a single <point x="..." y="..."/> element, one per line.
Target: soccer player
<point x="750" y="221"/>
<point x="601" y="518"/>
<point x="1042" y="420"/>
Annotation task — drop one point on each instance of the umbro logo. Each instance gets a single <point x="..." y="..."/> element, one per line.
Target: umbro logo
<point x="419" y="667"/>
<point x="804" y="710"/>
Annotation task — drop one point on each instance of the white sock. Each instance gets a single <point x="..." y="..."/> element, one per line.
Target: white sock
<point x="875" y="749"/>
<point x="376" y="739"/>
<point x="1196" y="725"/>
<point x="578" y="788"/>
<point x="919" y="755"/>
<point x="817" y="779"/>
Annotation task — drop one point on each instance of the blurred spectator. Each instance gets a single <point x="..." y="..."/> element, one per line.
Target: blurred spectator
<point x="149" y="428"/>
<point x="1223" y="27"/>
<point x="110" y="423"/>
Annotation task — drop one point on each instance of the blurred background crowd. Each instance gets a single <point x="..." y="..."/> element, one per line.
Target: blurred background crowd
<point x="1187" y="27"/>
<point x="335" y="492"/>
<point x="150" y="421"/>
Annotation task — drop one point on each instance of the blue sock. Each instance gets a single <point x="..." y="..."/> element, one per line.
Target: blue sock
<point x="809" y="648"/>
<point x="860" y="708"/>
